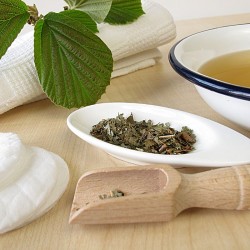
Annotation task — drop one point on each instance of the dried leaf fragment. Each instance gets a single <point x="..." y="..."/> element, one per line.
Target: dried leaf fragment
<point x="144" y="135"/>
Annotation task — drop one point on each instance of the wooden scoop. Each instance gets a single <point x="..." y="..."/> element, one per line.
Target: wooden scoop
<point x="156" y="193"/>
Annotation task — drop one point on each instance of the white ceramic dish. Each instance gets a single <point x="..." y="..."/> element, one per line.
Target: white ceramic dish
<point x="187" y="56"/>
<point x="216" y="146"/>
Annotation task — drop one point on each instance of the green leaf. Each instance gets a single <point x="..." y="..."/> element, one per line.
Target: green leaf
<point x="124" y="11"/>
<point x="73" y="64"/>
<point x="13" y="16"/>
<point x="96" y="9"/>
<point x="81" y="17"/>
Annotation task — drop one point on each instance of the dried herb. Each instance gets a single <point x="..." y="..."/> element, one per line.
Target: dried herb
<point x="113" y="194"/>
<point x="144" y="135"/>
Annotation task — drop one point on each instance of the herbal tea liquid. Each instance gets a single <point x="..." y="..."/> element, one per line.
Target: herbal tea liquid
<point x="233" y="68"/>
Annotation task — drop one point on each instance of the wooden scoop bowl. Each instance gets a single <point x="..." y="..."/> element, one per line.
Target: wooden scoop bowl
<point x="156" y="193"/>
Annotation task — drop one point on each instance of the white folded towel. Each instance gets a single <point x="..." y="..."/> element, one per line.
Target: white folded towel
<point x="133" y="46"/>
<point x="135" y="62"/>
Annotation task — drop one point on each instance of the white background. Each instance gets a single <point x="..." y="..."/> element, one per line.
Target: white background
<point x="188" y="9"/>
<point x="180" y="9"/>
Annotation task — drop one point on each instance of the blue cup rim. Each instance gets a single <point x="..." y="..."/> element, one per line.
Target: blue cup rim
<point x="205" y="81"/>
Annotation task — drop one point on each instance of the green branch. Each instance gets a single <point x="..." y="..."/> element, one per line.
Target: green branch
<point x="74" y="65"/>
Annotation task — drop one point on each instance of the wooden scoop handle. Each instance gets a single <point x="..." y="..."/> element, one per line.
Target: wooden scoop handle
<point x="224" y="188"/>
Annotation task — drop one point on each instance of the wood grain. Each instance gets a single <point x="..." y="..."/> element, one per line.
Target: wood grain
<point x="156" y="193"/>
<point x="43" y="124"/>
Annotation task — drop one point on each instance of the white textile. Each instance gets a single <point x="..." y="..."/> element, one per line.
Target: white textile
<point x="134" y="46"/>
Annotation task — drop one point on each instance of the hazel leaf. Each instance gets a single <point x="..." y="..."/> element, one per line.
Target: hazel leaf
<point x="13" y="16"/>
<point x="124" y="11"/>
<point x="74" y="65"/>
<point x="96" y="9"/>
<point x="83" y="18"/>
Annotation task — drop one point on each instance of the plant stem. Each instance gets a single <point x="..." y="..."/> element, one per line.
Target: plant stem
<point x="34" y="15"/>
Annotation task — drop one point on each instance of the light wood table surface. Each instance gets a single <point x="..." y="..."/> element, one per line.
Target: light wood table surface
<point x="43" y="124"/>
